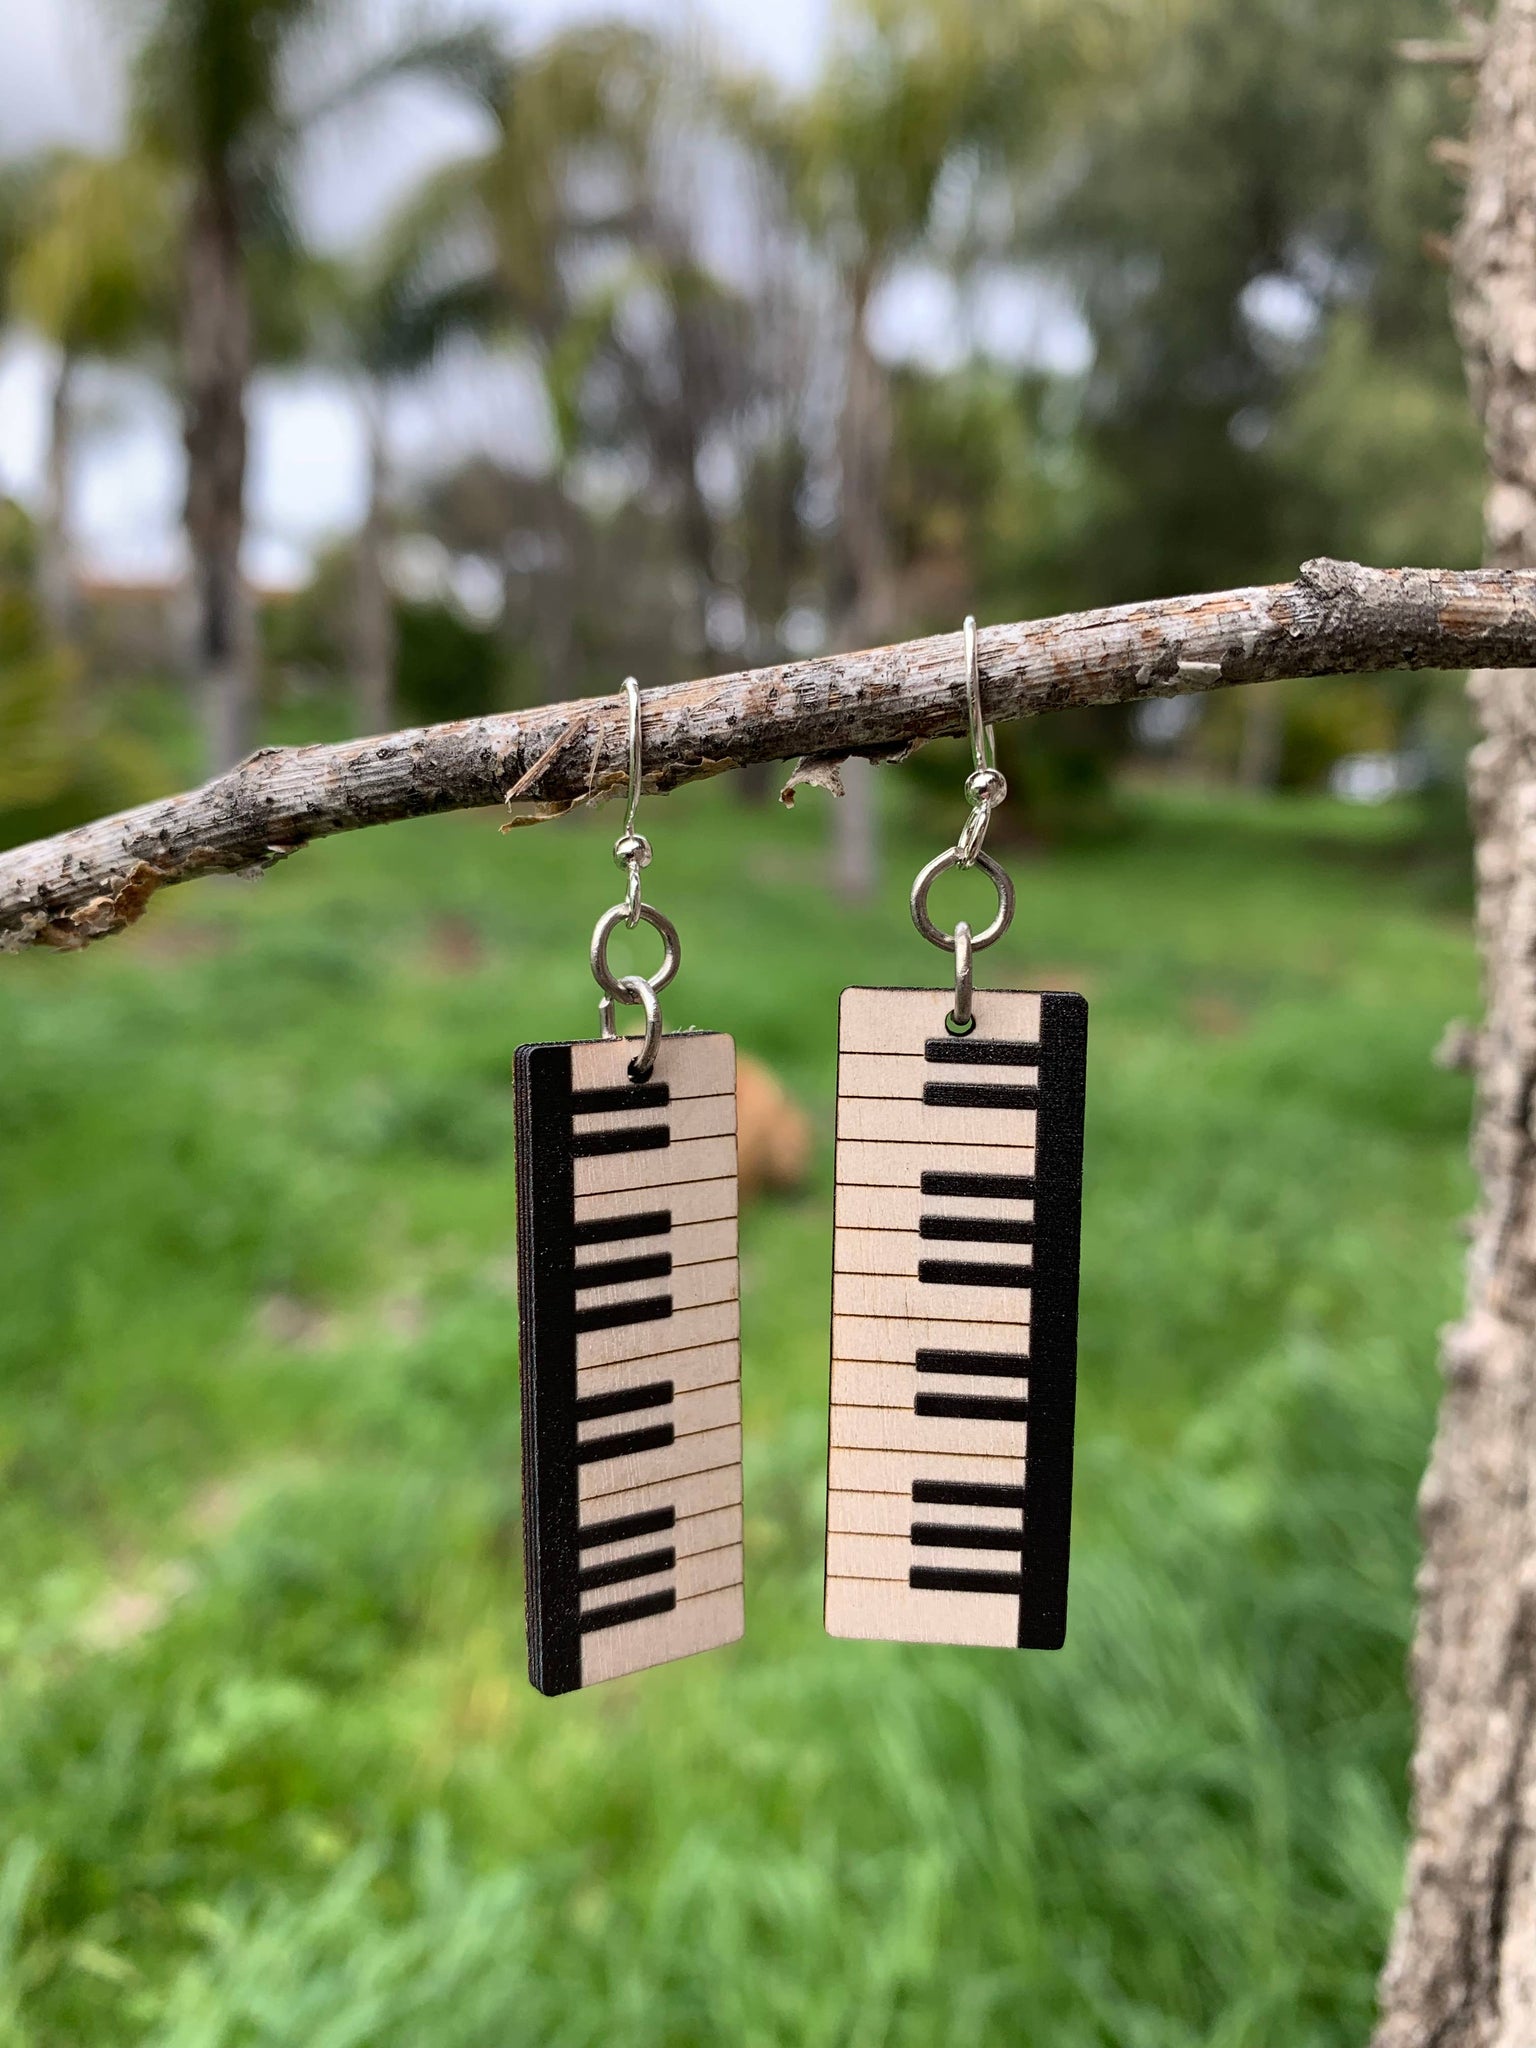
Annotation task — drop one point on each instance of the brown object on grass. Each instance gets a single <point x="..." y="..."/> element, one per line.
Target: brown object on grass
<point x="773" y="1133"/>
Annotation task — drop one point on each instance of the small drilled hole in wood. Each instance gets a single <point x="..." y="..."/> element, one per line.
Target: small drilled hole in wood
<point x="955" y="1028"/>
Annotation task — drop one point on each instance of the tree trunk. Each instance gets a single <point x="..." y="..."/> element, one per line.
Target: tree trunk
<point x="373" y="689"/>
<point x="865" y="599"/>
<point x="1462" y="1970"/>
<point x="216" y="353"/>
<point x="55" y="557"/>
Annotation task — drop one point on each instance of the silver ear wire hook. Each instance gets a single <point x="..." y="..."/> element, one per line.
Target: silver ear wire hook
<point x="983" y="739"/>
<point x="632" y="851"/>
<point x="986" y="787"/>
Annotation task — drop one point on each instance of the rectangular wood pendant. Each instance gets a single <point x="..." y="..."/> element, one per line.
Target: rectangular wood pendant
<point x="630" y="1351"/>
<point x="954" y="1317"/>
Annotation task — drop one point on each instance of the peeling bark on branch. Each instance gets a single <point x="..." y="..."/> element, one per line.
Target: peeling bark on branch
<point x="1337" y="619"/>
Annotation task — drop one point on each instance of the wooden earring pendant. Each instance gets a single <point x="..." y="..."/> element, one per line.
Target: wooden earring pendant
<point x="954" y="1289"/>
<point x="629" y="1331"/>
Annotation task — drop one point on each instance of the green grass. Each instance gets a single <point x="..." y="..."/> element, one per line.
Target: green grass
<point x="270" y="1771"/>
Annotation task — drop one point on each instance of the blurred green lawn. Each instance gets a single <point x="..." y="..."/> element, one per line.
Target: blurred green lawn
<point x="270" y="1770"/>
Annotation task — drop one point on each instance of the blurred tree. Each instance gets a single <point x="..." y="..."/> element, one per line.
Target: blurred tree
<point x="671" y="364"/>
<point x="1274" y="371"/>
<point x="61" y="759"/>
<point x="925" y="111"/>
<point x="624" y="249"/>
<point x="217" y="93"/>
<point x="384" y="319"/>
<point x="629" y="244"/>
<point x="93" y="276"/>
<point x="589" y="589"/>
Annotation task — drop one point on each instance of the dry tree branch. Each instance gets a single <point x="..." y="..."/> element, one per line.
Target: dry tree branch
<point x="1336" y="619"/>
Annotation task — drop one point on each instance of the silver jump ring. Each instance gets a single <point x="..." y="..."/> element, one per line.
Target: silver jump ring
<point x="607" y="924"/>
<point x="941" y="865"/>
<point x="964" y="988"/>
<point x="633" y="988"/>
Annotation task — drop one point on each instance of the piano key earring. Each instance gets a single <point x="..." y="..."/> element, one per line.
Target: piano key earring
<point x="954" y="1290"/>
<point x="628" y="1323"/>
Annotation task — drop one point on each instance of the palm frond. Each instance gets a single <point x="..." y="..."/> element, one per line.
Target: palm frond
<point x="469" y="60"/>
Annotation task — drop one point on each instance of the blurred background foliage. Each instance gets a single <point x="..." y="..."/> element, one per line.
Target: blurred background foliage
<point x="269" y="1771"/>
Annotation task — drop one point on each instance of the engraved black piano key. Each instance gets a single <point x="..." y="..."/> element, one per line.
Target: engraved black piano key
<point x="970" y="1407"/>
<point x="615" y="1272"/>
<point x="928" y="1578"/>
<point x="620" y="1528"/>
<point x="596" y="1450"/>
<point x="618" y="1315"/>
<point x="952" y="1536"/>
<point x="641" y="1095"/>
<point x="978" y="1095"/>
<point x="600" y="1144"/>
<point x="975" y="1230"/>
<point x="613" y="1229"/>
<point x="964" y="1493"/>
<point x="619" y="1569"/>
<point x="999" y="1365"/>
<point x="1002" y="1187"/>
<point x="972" y="1051"/>
<point x="628" y="1610"/>
<point x="973" y="1273"/>
<point x="626" y="1401"/>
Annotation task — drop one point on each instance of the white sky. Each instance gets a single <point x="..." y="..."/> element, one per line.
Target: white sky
<point x="61" y="81"/>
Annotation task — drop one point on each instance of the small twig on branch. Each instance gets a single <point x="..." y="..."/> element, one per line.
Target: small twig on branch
<point x="1337" y="619"/>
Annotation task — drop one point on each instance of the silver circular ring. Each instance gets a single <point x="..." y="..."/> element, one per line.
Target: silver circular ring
<point x="941" y="865"/>
<point x="610" y="920"/>
<point x="633" y="989"/>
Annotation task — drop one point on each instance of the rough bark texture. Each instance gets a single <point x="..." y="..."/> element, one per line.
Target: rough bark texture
<point x="216" y="351"/>
<point x="1462" y="1969"/>
<point x="1337" y="619"/>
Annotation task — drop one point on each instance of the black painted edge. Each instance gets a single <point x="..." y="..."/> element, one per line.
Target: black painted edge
<point x="1053" y="1323"/>
<point x="547" y="1354"/>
